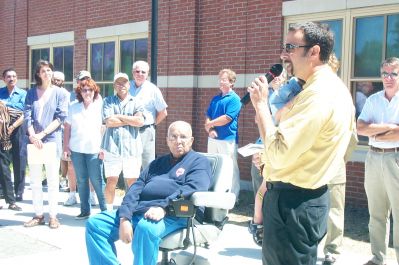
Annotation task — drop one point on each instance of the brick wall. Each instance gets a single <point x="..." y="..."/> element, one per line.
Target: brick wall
<point x="355" y="193"/>
<point x="196" y="37"/>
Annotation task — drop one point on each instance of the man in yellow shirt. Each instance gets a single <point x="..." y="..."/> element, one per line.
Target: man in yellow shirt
<point x="302" y="153"/>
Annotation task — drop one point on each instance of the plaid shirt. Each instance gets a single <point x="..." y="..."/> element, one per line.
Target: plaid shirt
<point x="125" y="140"/>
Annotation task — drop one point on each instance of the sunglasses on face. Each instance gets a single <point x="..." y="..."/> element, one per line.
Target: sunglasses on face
<point x="140" y="72"/>
<point x="289" y="47"/>
<point x="392" y="75"/>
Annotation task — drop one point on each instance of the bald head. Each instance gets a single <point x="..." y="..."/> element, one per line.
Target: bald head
<point x="180" y="138"/>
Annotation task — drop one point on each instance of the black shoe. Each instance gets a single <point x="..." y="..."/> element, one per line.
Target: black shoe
<point x="14" y="207"/>
<point x="82" y="216"/>
<point x="329" y="260"/>
<point x="18" y="198"/>
<point x="257" y="232"/>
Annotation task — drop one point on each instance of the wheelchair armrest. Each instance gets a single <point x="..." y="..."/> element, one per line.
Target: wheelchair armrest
<point x="221" y="200"/>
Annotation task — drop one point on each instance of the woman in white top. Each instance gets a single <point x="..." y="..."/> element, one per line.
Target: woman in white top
<point x="82" y="141"/>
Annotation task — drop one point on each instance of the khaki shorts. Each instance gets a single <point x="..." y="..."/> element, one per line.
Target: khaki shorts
<point x="114" y="165"/>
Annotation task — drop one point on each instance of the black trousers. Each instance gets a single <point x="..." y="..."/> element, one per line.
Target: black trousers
<point x="18" y="161"/>
<point x="295" y="221"/>
<point x="5" y="176"/>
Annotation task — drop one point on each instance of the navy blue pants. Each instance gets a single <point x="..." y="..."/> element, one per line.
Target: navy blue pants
<point x="295" y="220"/>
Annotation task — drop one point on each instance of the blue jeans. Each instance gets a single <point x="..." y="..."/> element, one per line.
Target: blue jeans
<point x="88" y="166"/>
<point x="102" y="230"/>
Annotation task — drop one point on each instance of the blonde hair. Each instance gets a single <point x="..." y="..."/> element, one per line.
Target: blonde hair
<point x="333" y="62"/>
<point x="231" y="75"/>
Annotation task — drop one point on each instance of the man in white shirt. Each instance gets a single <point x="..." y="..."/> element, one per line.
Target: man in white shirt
<point x="154" y="108"/>
<point x="379" y="121"/>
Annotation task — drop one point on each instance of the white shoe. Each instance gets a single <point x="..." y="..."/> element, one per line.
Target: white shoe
<point x="70" y="201"/>
<point x="93" y="199"/>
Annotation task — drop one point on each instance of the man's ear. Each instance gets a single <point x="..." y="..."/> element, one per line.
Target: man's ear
<point x="315" y="51"/>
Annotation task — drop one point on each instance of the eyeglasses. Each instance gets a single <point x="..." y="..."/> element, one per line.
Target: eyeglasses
<point x="392" y="75"/>
<point x="138" y="72"/>
<point x="288" y="47"/>
<point x="58" y="80"/>
<point x="120" y="84"/>
<point x="87" y="90"/>
<point x="184" y="139"/>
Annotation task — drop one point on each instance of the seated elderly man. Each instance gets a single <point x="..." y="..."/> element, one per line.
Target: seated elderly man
<point x="142" y="217"/>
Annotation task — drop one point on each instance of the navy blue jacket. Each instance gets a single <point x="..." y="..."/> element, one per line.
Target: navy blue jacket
<point x="165" y="179"/>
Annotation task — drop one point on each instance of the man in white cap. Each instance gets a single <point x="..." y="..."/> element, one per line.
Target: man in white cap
<point x="154" y="108"/>
<point x="122" y="115"/>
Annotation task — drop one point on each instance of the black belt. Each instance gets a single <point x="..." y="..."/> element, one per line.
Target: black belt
<point x="384" y="150"/>
<point x="278" y="185"/>
<point x="142" y="128"/>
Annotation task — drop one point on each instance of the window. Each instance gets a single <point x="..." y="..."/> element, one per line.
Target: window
<point x="375" y="38"/>
<point x="110" y="57"/>
<point x="60" y="56"/>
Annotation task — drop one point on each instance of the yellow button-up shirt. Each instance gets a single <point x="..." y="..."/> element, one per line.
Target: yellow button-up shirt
<point x="308" y="146"/>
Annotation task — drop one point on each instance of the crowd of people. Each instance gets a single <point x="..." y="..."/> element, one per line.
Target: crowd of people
<point x="298" y="182"/>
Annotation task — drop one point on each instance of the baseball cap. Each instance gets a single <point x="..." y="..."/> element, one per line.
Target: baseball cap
<point x="58" y="75"/>
<point x="121" y="75"/>
<point x="82" y="74"/>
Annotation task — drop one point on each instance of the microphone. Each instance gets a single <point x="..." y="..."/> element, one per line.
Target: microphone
<point x="274" y="71"/>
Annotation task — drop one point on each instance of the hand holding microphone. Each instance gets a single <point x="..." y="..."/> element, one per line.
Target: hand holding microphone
<point x="275" y="71"/>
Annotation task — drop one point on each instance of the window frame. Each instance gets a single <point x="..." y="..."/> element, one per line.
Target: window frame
<point x="51" y="47"/>
<point x="117" y="40"/>
<point x="348" y="17"/>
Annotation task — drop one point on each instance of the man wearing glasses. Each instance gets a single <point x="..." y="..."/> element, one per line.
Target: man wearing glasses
<point x="303" y="152"/>
<point x="154" y="108"/>
<point x="123" y="116"/>
<point x="379" y="121"/>
<point x="14" y="98"/>
<point x="143" y="218"/>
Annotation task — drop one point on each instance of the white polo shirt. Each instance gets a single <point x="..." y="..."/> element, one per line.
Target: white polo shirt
<point x="378" y="109"/>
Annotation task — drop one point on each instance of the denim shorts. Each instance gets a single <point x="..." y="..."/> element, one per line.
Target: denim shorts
<point x="114" y="165"/>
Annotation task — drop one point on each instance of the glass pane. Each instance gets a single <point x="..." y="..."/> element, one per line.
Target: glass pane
<point x="368" y="46"/>
<point x="45" y="54"/>
<point x="363" y="90"/>
<point x="68" y="63"/>
<point x="106" y="90"/>
<point x="336" y="27"/>
<point x="35" y="58"/>
<point x="141" y="50"/>
<point x="96" y="64"/>
<point x="126" y="53"/>
<point x="58" y="58"/>
<point x="393" y="36"/>
<point x="109" y="61"/>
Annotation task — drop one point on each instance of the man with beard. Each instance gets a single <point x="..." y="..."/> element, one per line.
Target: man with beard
<point x="303" y="152"/>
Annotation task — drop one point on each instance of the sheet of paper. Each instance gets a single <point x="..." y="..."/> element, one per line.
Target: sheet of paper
<point x="250" y="149"/>
<point x="41" y="156"/>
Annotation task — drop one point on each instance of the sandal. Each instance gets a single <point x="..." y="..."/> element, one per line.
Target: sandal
<point x="257" y="232"/>
<point x="14" y="207"/>
<point x="37" y="220"/>
<point x="54" y="223"/>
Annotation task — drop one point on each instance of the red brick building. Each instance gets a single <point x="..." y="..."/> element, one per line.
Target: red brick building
<point x="196" y="38"/>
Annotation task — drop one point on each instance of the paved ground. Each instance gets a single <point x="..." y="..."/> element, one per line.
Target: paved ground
<point x="42" y="245"/>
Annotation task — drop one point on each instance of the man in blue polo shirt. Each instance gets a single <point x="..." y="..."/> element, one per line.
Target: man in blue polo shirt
<point x="14" y="97"/>
<point x="221" y="123"/>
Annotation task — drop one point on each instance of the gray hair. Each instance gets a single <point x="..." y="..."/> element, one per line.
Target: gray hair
<point x="143" y="64"/>
<point x="390" y="61"/>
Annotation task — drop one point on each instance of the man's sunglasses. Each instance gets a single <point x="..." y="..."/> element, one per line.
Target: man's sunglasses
<point x="288" y="47"/>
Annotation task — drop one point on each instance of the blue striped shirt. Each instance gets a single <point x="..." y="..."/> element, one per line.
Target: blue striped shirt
<point x="125" y="140"/>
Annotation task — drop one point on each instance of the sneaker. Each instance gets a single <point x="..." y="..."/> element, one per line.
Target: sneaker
<point x="70" y="201"/>
<point x="93" y="199"/>
<point x="82" y="216"/>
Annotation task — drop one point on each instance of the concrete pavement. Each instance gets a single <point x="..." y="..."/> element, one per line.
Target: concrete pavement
<point x="66" y="245"/>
